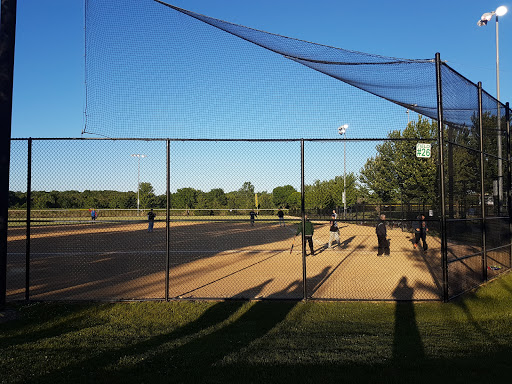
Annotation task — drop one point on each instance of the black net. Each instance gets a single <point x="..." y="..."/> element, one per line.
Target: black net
<point x="155" y="70"/>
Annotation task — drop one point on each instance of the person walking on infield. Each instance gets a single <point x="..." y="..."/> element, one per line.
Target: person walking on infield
<point x="151" y="220"/>
<point x="381" y="236"/>
<point x="252" y="215"/>
<point x="308" y="233"/>
<point x="280" y="215"/>
<point x="420" y="232"/>
<point x="334" y="231"/>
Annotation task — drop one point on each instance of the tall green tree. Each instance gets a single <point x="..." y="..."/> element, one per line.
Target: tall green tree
<point x="245" y="196"/>
<point x="185" y="198"/>
<point x="281" y="196"/>
<point x="147" y="195"/>
<point x="395" y="173"/>
<point x="217" y="198"/>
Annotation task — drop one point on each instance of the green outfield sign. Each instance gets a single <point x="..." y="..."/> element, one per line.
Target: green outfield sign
<point x="423" y="150"/>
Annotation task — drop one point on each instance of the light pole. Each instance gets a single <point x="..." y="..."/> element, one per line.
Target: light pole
<point x="500" y="11"/>
<point x="343" y="131"/>
<point x="138" y="156"/>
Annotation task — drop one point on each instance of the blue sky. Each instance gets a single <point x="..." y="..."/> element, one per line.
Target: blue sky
<point x="49" y="91"/>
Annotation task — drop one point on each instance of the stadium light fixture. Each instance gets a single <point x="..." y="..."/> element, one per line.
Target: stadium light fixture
<point x="342" y="130"/>
<point x="138" y="156"/>
<point x="484" y="19"/>
<point x="502" y="10"/>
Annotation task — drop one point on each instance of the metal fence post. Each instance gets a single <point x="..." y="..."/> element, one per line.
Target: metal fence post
<point x="303" y="215"/>
<point x="509" y="181"/>
<point x="482" y="187"/>
<point x="440" y="141"/>
<point x="28" y="220"/>
<point x="8" y="38"/>
<point x="167" y="220"/>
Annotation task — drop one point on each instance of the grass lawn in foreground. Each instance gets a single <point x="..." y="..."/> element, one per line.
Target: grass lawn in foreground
<point x="468" y="340"/>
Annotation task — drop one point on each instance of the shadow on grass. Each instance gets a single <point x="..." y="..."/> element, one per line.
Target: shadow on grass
<point x="216" y="348"/>
<point x="53" y="322"/>
<point x="407" y="344"/>
<point x="194" y="361"/>
<point x="188" y="352"/>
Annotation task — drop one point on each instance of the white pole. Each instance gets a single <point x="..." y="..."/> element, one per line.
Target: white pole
<point x="500" y="162"/>
<point x="343" y="131"/>
<point x="138" y="185"/>
<point x="344" y="177"/>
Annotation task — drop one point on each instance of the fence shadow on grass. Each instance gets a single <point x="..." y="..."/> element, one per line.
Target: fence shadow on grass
<point x="189" y="351"/>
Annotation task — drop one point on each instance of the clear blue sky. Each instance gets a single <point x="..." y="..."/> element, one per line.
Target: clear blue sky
<point x="49" y="91"/>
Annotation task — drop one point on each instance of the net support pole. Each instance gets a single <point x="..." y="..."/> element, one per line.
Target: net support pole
<point x="509" y="179"/>
<point x="28" y="220"/>
<point x="440" y="141"/>
<point x="482" y="186"/>
<point x="167" y="220"/>
<point x="303" y="215"/>
<point x="7" y="43"/>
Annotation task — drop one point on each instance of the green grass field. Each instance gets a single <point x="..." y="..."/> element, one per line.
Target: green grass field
<point x="468" y="340"/>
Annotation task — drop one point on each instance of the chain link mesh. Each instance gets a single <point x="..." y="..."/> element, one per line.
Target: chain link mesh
<point x="215" y="250"/>
<point x="238" y="107"/>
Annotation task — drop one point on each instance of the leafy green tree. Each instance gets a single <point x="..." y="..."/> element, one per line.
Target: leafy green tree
<point x="17" y="199"/>
<point x="185" y="198"/>
<point x="338" y="185"/>
<point x="281" y="196"/>
<point x="217" y="198"/>
<point x="147" y="195"/>
<point x="44" y="200"/>
<point x="245" y="196"/>
<point x="395" y="173"/>
<point x="294" y="200"/>
<point x="265" y="200"/>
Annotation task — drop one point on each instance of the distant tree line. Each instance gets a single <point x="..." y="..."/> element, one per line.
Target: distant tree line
<point x="393" y="175"/>
<point x="322" y="194"/>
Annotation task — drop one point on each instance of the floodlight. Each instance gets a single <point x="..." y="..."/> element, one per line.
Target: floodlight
<point x="500" y="11"/>
<point x="486" y="17"/>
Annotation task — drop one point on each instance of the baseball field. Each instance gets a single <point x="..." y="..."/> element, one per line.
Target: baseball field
<point x="218" y="259"/>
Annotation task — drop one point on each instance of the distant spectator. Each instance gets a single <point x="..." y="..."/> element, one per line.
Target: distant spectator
<point x="252" y="216"/>
<point x="151" y="220"/>
<point x="280" y="215"/>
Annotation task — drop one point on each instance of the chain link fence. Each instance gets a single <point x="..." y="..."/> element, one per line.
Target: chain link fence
<point x="79" y="227"/>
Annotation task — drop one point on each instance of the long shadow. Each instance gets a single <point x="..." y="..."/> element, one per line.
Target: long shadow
<point x="433" y="273"/>
<point x="73" y="262"/>
<point x="196" y="359"/>
<point x="407" y="343"/>
<point x="201" y="348"/>
<point x="74" y="320"/>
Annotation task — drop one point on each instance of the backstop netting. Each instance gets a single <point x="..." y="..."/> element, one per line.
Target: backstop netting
<point x="155" y="70"/>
